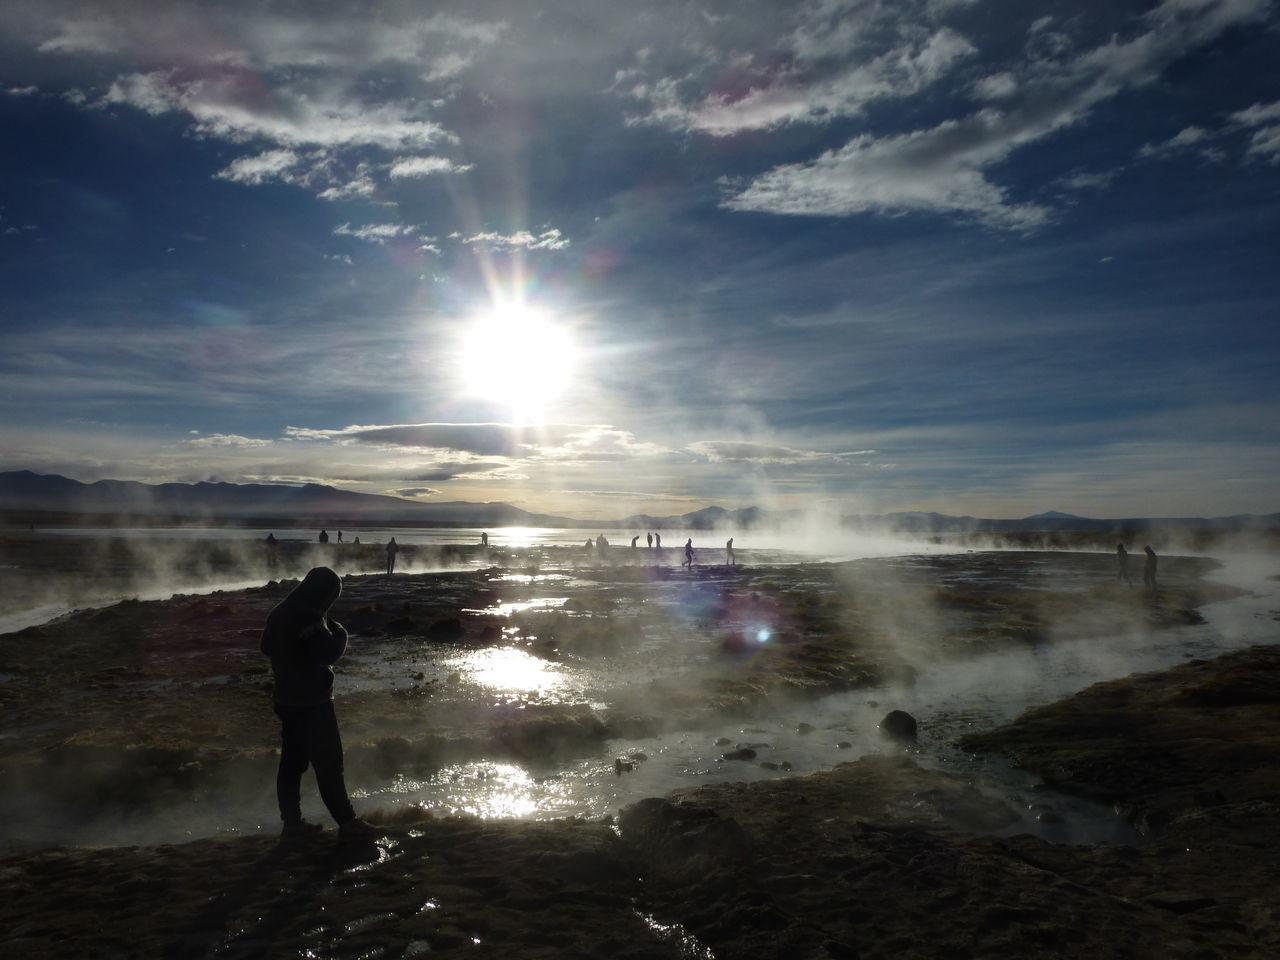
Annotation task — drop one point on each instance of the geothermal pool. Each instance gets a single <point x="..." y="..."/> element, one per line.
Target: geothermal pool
<point x="668" y="631"/>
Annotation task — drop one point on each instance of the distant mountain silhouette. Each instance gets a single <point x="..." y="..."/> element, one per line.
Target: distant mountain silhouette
<point x="22" y="491"/>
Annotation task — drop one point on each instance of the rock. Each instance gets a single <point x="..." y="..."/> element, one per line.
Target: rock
<point x="742" y="753"/>
<point x="843" y="745"/>
<point x="899" y="725"/>
<point x="450" y="628"/>
<point x="621" y="766"/>
<point x="805" y="729"/>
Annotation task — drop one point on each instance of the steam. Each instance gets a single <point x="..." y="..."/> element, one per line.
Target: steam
<point x="881" y="588"/>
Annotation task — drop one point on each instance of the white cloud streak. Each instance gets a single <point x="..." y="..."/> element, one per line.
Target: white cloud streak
<point x="943" y="169"/>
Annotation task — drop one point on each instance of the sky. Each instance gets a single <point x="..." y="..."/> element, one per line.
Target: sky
<point x="597" y="258"/>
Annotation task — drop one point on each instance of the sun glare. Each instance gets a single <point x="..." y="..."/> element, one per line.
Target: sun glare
<point x="518" y="358"/>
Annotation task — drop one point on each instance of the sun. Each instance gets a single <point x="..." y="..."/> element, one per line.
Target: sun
<point x="517" y="357"/>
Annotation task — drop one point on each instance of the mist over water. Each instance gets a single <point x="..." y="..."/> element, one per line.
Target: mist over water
<point x="895" y="581"/>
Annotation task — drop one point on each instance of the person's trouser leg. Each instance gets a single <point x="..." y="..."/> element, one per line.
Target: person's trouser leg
<point x="326" y="759"/>
<point x="293" y="763"/>
<point x="311" y="738"/>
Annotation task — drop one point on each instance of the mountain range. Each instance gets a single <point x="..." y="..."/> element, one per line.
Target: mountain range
<point x="25" y="493"/>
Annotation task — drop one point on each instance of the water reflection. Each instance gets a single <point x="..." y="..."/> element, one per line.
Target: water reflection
<point x="480" y="789"/>
<point x="507" y="609"/>
<point x="514" y="671"/>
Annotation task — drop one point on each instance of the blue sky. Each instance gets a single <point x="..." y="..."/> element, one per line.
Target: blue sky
<point x="596" y="258"/>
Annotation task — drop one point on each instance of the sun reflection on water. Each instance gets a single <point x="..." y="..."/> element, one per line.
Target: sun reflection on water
<point x="480" y="789"/>
<point x="510" y="670"/>
<point x="507" y="609"/>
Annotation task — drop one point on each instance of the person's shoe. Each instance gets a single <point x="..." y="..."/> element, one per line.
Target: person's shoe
<point x="357" y="828"/>
<point x="301" y="829"/>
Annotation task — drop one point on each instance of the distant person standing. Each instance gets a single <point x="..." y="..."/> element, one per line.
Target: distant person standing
<point x="339" y="536"/>
<point x="601" y="543"/>
<point x="648" y="537"/>
<point x="303" y="642"/>
<point x="484" y="540"/>
<point x="657" y="540"/>
<point x="634" y="541"/>
<point x="1122" y="565"/>
<point x="324" y="536"/>
<point x="392" y="549"/>
<point x="273" y="548"/>
<point x="728" y="553"/>
<point x="688" y="554"/>
<point x="1149" y="569"/>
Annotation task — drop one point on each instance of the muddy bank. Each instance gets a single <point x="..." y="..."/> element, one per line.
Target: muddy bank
<point x="873" y="859"/>
<point x="1188" y="753"/>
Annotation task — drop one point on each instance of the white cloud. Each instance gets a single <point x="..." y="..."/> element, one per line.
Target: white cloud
<point x="1264" y="119"/>
<point x="424" y="166"/>
<point x="559" y="442"/>
<point x="834" y="63"/>
<point x="362" y="187"/>
<point x="745" y="451"/>
<point x="551" y="239"/>
<point x="269" y="165"/>
<point x="943" y="169"/>
<point x="1083" y="180"/>
<point x="375" y="232"/>
<point x="292" y="82"/>
<point x="228" y="440"/>
<point x="923" y="171"/>
<point x="27" y="91"/>
<point x="1183" y="140"/>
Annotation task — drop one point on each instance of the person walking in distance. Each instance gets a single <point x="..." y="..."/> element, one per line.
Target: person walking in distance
<point x="1122" y="565"/>
<point x="1149" y="569"/>
<point x="392" y="549"/>
<point x="688" y="554"/>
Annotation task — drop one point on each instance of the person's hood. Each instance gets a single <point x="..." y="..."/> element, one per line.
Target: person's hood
<point x="318" y="590"/>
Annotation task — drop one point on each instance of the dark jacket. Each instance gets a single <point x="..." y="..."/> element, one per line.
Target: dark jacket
<point x="302" y="641"/>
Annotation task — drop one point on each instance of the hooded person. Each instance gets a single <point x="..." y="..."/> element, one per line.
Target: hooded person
<point x="303" y="642"/>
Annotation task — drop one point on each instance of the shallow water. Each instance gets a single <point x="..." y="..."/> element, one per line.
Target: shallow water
<point x="948" y="698"/>
<point x="669" y="631"/>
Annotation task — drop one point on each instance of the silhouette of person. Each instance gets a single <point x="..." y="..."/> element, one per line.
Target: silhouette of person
<point x="657" y="540"/>
<point x="339" y="536"/>
<point x="303" y="642"/>
<point x="635" y="540"/>
<point x="588" y="545"/>
<point x="392" y="549"/>
<point x="484" y="539"/>
<point x="601" y="543"/>
<point x="324" y="537"/>
<point x="648" y="537"/>
<point x="356" y="541"/>
<point x="1149" y="569"/>
<point x="1122" y="565"/>
<point x="688" y="554"/>
<point x="273" y="546"/>
<point x="728" y="552"/>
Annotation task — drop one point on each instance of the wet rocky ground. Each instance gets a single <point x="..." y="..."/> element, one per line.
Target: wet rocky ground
<point x="145" y="710"/>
